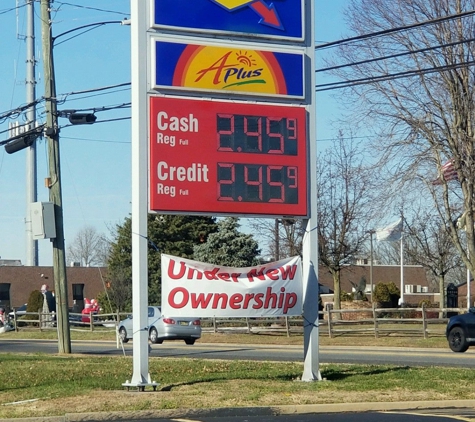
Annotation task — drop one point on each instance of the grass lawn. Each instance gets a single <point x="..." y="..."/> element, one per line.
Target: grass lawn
<point x="37" y="385"/>
<point x="34" y="385"/>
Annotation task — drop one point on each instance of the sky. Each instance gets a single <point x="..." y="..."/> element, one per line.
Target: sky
<point x="95" y="159"/>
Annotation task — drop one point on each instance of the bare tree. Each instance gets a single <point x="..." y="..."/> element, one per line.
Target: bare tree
<point x="415" y="82"/>
<point x="89" y="248"/>
<point x="346" y="194"/>
<point x="119" y="291"/>
<point x="282" y="237"/>
<point x="428" y="243"/>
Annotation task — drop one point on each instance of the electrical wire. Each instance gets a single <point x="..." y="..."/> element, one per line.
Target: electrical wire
<point x="96" y="109"/>
<point x="100" y="121"/>
<point x="393" y="56"/>
<point x="3" y="12"/>
<point x="390" y="31"/>
<point x="103" y="88"/>
<point x="90" y="27"/>
<point x="17" y="111"/>
<point x="62" y="101"/>
<point x="393" y="76"/>
<point x="80" y="6"/>
<point x="95" y="140"/>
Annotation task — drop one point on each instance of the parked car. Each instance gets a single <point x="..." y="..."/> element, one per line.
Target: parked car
<point x="162" y="328"/>
<point x="18" y="311"/>
<point x="460" y="331"/>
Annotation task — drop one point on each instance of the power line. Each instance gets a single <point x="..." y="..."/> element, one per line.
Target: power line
<point x="96" y="109"/>
<point x="95" y="140"/>
<point x="406" y="74"/>
<point x="101" y="121"/>
<point x="87" y="28"/>
<point x="17" y="111"/>
<point x="86" y="91"/>
<point x="398" y="29"/>
<point x="393" y="56"/>
<point x="3" y="12"/>
<point x="94" y="8"/>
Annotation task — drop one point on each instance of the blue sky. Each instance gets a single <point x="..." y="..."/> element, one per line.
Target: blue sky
<point x="95" y="159"/>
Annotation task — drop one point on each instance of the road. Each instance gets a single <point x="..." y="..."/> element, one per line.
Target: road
<point x="360" y="355"/>
<point x="330" y="417"/>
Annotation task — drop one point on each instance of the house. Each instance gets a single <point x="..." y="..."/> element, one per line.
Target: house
<point x="17" y="282"/>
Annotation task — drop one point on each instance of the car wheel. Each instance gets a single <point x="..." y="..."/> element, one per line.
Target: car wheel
<point x="190" y="341"/>
<point x="457" y="340"/>
<point x="123" y="335"/>
<point x="153" y="335"/>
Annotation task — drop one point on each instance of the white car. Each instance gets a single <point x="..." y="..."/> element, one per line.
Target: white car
<point x="18" y="311"/>
<point x="163" y="328"/>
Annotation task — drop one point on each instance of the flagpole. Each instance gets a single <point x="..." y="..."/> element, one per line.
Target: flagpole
<point x="402" y="259"/>
<point x="401" y="300"/>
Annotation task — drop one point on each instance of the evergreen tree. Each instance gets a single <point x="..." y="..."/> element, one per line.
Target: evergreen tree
<point x="228" y="246"/>
<point x="170" y="234"/>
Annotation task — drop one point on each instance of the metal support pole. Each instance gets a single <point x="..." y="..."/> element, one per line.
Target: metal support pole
<point x="55" y="196"/>
<point x="311" y="371"/>
<point x="31" y="188"/>
<point x="140" y="377"/>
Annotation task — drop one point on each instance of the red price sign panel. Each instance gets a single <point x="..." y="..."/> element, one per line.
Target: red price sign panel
<point x="215" y="157"/>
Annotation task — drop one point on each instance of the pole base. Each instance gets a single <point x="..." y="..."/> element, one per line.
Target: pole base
<point x="140" y="386"/>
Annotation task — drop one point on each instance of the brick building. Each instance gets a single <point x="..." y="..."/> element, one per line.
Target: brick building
<point x="416" y="284"/>
<point x="17" y="282"/>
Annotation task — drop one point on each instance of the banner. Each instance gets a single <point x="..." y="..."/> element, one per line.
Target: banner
<point x="196" y="289"/>
<point x="391" y="233"/>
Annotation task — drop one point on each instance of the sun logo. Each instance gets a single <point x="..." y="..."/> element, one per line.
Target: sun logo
<point x="246" y="60"/>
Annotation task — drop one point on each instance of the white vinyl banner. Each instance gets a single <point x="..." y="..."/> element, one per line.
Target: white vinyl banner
<point x="192" y="288"/>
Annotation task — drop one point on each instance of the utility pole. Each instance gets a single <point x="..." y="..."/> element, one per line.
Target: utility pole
<point x="31" y="182"/>
<point x="54" y="182"/>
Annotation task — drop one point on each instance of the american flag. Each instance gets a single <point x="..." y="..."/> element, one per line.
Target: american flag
<point x="448" y="172"/>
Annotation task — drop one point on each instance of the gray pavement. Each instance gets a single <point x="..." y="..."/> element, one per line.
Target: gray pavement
<point x="256" y="411"/>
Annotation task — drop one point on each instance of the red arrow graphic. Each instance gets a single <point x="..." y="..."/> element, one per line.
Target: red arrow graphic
<point x="268" y="14"/>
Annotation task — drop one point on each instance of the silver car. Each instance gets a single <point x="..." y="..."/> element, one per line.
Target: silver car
<point x="164" y="328"/>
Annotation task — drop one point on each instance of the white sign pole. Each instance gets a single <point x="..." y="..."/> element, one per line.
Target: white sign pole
<point x="311" y="371"/>
<point x="140" y="377"/>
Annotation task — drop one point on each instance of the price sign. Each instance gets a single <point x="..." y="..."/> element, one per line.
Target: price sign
<point x="216" y="157"/>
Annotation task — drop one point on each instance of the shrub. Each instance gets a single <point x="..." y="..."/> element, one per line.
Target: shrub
<point x="35" y="301"/>
<point x="381" y="293"/>
<point x="34" y="304"/>
<point x="346" y="297"/>
<point x="425" y="303"/>
<point x="386" y="293"/>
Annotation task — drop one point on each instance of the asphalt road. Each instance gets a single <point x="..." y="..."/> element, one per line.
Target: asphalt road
<point x="327" y="417"/>
<point x="361" y="355"/>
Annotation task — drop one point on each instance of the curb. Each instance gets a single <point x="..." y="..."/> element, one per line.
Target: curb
<point x="253" y="411"/>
